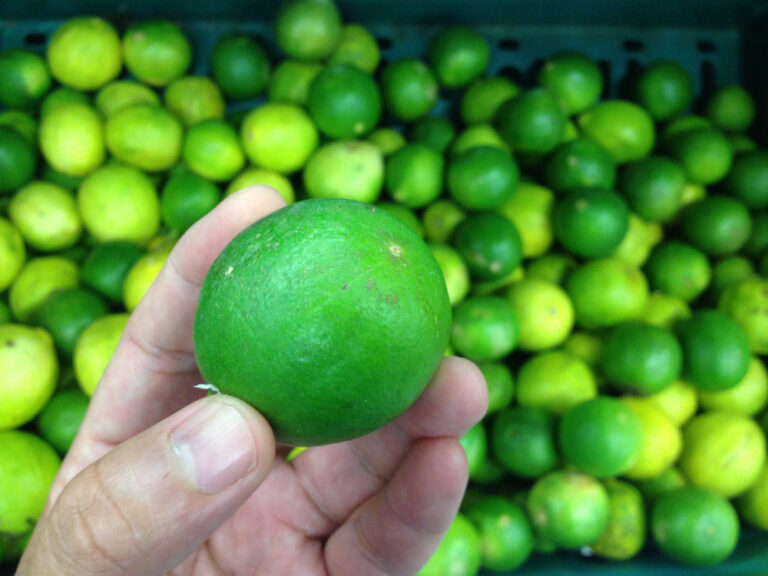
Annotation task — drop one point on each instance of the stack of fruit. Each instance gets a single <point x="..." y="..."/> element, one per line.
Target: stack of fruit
<point x="609" y="254"/>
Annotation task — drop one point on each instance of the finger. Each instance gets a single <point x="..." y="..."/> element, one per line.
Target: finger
<point x="148" y="504"/>
<point x="398" y="530"/>
<point x="339" y="477"/>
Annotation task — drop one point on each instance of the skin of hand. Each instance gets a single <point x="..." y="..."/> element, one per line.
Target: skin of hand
<point x="163" y="480"/>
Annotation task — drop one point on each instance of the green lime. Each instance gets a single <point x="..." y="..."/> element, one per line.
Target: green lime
<point x="387" y="140"/>
<point x="25" y="78"/>
<point x="308" y="29"/>
<point x="39" y="278"/>
<point x="641" y="237"/>
<point x="555" y="381"/>
<point x="748" y="179"/>
<point x="141" y="276"/>
<point x="21" y="122"/>
<point x="409" y="89"/>
<point x="482" y="99"/>
<point x="212" y="150"/>
<point x="665" y="89"/>
<point x="71" y="183"/>
<point x="758" y="239"/>
<point x="679" y="401"/>
<point x="506" y="534"/>
<point x="695" y="526"/>
<point x="622" y="128"/>
<point x="523" y="441"/>
<point x="454" y="270"/>
<point x="544" y="312"/>
<point x="145" y="136"/>
<point x="414" y="175"/>
<point x="569" y="508"/>
<point x="434" y="131"/>
<point x="94" y="350"/>
<point x="661" y="441"/>
<point x="746" y="302"/>
<point x="489" y="244"/>
<point x="259" y="177"/>
<point x="718" y="225"/>
<point x="5" y="313"/>
<point x="460" y="552"/>
<point x="440" y="220"/>
<point x="185" y="199"/>
<point x="458" y="55"/>
<point x="61" y="418"/>
<point x="705" y="155"/>
<point x="30" y="370"/>
<point x="590" y="222"/>
<point x="586" y="346"/>
<point x="357" y="47"/>
<point x="529" y="208"/>
<point x="669" y="480"/>
<point x="574" y="79"/>
<point x="731" y="109"/>
<point x="348" y="169"/>
<point x="482" y="178"/>
<point x="240" y="66"/>
<point x="368" y="270"/>
<point x="748" y="397"/>
<point x="679" y="270"/>
<point x="624" y="536"/>
<point x="475" y="444"/>
<point x="61" y="96"/>
<point x="494" y="287"/>
<point x="580" y="163"/>
<point x="105" y="268"/>
<point x="194" y="99"/>
<point x="119" y="203"/>
<point x="85" y="53"/>
<point x="72" y="139"/>
<point x="551" y="267"/>
<point x="66" y="313"/>
<point x="279" y="137"/>
<point x="501" y="385"/>
<point x="291" y="81"/>
<point x="742" y="144"/>
<point x="13" y="253"/>
<point x="46" y="215"/>
<point x="653" y="187"/>
<point x="18" y="160"/>
<point x="405" y="214"/>
<point x="475" y="136"/>
<point x="753" y="504"/>
<point x="120" y="94"/>
<point x="532" y="121"/>
<point x="729" y="271"/>
<point x="484" y="328"/>
<point x="156" y="52"/>
<point x="682" y="125"/>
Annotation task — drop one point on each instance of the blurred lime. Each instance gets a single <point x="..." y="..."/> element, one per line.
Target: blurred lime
<point x="482" y="178"/>
<point x="18" y="160"/>
<point x="120" y="94"/>
<point x="705" y="155"/>
<point x="586" y="346"/>
<point x="574" y="79"/>
<point x="454" y="270"/>
<point x="500" y="384"/>
<point x="653" y="187"/>
<point x="484" y="328"/>
<point x="742" y="144"/>
<point x="257" y="176"/>
<point x="475" y="444"/>
<point x="141" y="276"/>
<point x="46" y="215"/>
<point x="460" y="552"/>
<point x="693" y="193"/>
<point x="746" y="302"/>
<point x="624" y="536"/>
<point x="669" y="480"/>
<point x="85" y="53"/>
<point x="25" y="78"/>
<point x="477" y="135"/>
<point x="529" y="208"/>
<point x="493" y="287"/>
<point x="185" y="199"/>
<point x="590" y="222"/>
<point x="753" y="504"/>
<point x="21" y="122"/>
<point x="308" y="29"/>
<point x="758" y="239"/>
<point x="106" y="267"/>
<point x="458" y="55"/>
<point x="194" y="99"/>
<point x="440" y="219"/>
<point x="622" y="128"/>
<point x="641" y="237"/>
<point x="731" y="109"/>
<point x="661" y="440"/>
<point x="679" y="401"/>
<point x="665" y="89"/>
<point x="555" y="381"/>
<point x="145" y="136"/>
<point x="5" y="313"/>
<point x="66" y="313"/>
<point x="506" y="534"/>
<point x="345" y="169"/>
<point x="38" y="280"/>
<point x="523" y="441"/>
<point x="212" y="150"/>
<point x="532" y="121"/>
<point x="580" y="163"/>
<point x="156" y="51"/>
<point x="489" y="244"/>
<point x="358" y="48"/>
<point x="434" y="131"/>
<point x="409" y="89"/>
<point x="72" y="139"/>
<point x="414" y="175"/>
<point x="551" y="267"/>
<point x="94" y="350"/>
<point x="61" y="418"/>
<point x="240" y="66"/>
<point x="71" y="183"/>
<point x="405" y="214"/>
<point x="13" y="253"/>
<point x="729" y="271"/>
<point x="748" y="179"/>
<point x="748" y="397"/>
<point x="681" y="125"/>
<point x="544" y="312"/>
<point x="61" y="96"/>
<point x="482" y="99"/>
<point x="387" y="140"/>
<point x="679" y="270"/>
<point x="291" y="80"/>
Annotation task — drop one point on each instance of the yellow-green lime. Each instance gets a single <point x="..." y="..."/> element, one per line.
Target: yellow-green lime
<point x="544" y="312"/>
<point x="679" y="401"/>
<point x="454" y="270"/>
<point x="669" y="480"/>
<point x="753" y="504"/>
<point x="39" y="278"/>
<point x="72" y="139"/>
<point x="95" y="348"/>
<point x="13" y="253"/>
<point x="529" y="208"/>
<point x="482" y="99"/>
<point x="586" y="346"/>
<point x="46" y="215"/>
<point x="257" y="176"/>
<point x="347" y="169"/>
<point x="460" y="552"/>
<point x="61" y="418"/>
<point x="553" y="267"/>
<point x="624" y="536"/>
<point x="661" y="440"/>
<point x="357" y="47"/>
<point x="212" y="150"/>
<point x="145" y="136"/>
<point x="25" y="78"/>
<point x="748" y="397"/>
<point x="156" y="51"/>
<point x="746" y="302"/>
<point x="291" y="81"/>
<point x="120" y="94"/>
<point x="555" y="381"/>
<point x="477" y="135"/>
<point x="141" y="276"/>
<point x="475" y="444"/>
<point x="194" y="99"/>
<point x="308" y="29"/>
<point x="387" y="140"/>
<point x="638" y="242"/>
<point x="622" y="128"/>
<point x="665" y="310"/>
<point x="440" y="219"/>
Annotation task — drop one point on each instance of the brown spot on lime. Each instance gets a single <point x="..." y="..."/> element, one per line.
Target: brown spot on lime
<point x="395" y="250"/>
<point x="10" y="343"/>
<point x="345" y="287"/>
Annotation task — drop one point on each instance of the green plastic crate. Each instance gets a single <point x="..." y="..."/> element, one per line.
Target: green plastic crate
<point x="717" y="41"/>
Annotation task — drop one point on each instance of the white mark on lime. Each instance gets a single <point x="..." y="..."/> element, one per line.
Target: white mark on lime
<point x="395" y="250"/>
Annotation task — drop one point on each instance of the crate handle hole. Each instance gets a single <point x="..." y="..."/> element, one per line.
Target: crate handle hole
<point x="509" y="44"/>
<point x="384" y="43"/>
<point x="35" y="39"/>
<point x="632" y="45"/>
<point x="706" y="46"/>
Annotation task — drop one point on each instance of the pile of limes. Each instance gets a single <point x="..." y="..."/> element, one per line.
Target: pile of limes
<point x="605" y="260"/>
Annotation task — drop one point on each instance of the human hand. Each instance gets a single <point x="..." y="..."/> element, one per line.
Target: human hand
<point x="162" y="479"/>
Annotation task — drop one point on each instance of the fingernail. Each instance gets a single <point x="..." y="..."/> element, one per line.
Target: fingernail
<point x="215" y="445"/>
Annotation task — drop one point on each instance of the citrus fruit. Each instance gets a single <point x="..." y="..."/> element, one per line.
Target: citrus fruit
<point x="13" y="253"/>
<point x="574" y="79"/>
<point x="669" y="480"/>
<point x="18" y="160"/>
<point x="105" y="268"/>
<point x="753" y="504"/>
<point x="156" y="51"/>
<point x="46" y="215"/>
<point x="551" y="267"/>
<point x="194" y="99"/>
<point x="590" y="222"/>
<point x="39" y="278"/>
<point x="308" y="29"/>
<point x="586" y="346"/>
<point x="693" y="193"/>
<point x="493" y="287"/>
<point x="682" y="124"/>
<point x="475" y="444"/>
<point x="695" y="526"/>
<point x="758" y="239"/>
<point x="21" y="122"/>
<point x="71" y="183"/>
<point x="641" y="237"/>
<point x="653" y="187"/>
<point x="477" y="135"/>
<point x="600" y="437"/>
<point x="723" y="452"/>
<point x="665" y="89"/>
<point x="119" y="203"/>
<point x="434" y="131"/>
<point x="748" y="397"/>
<point x="66" y="313"/>
<point x="500" y="384"/>
<point x="679" y="401"/>
<point x="347" y="169"/>
<point x="440" y="220"/>
<point x="748" y="179"/>
<point x="94" y="350"/>
<point x="579" y="163"/>
<point x="61" y="418"/>
<point x="484" y="328"/>
<point x="458" y="55"/>
<point x="532" y="121"/>
<point x="489" y="244"/>
<point x="454" y="270"/>
<point x="746" y="302"/>
<point x="279" y="137"/>
<point x="729" y="271"/>
<point x="705" y="155"/>
<point x="409" y="89"/>
<point x="27" y="470"/>
<point x="624" y="536"/>
<point x="376" y="275"/>
<point x="529" y="208"/>
<point x="72" y="139"/>
<point x="460" y="552"/>
<point x="25" y="78"/>
<point x="141" y="276"/>
<point x="661" y="440"/>
<point x="358" y="48"/>
<point x="731" y="109"/>
<point x="212" y="150"/>
<point x="291" y="80"/>
<point x="555" y="381"/>
<point x="30" y="369"/>
<point x="387" y="140"/>
<point x="622" y="128"/>
<point x="145" y="136"/>
<point x="240" y="66"/>
<point x="5" y="313"/>
<point x="185" y="199"/>
<point x="121" y="94"/>
<point x="61" y="96"/>
<point x="742" y="144"/>
<point x="544" y="312"/>
<point x="414" y="175"/>
<point x="482" y="178"/>
<point x="523" y="441"/>
<point x="257" y="176"/>
<point x="85" y="53"/>
<point x="505" y="533"/>
<point x="606" y="291"/>
<point x="482" y="99"/>
<point x="569" y="508"/>
<point x="679" y="270"/>
<point x="405" y="214"/>
<point x="641" y="358"/>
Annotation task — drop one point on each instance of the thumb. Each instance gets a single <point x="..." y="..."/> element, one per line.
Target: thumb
<point x="149" y="503"/>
